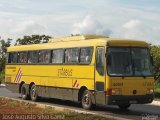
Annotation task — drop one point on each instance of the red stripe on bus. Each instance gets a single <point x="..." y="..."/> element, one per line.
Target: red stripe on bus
<point x="17" y="75"/>
<point x="75" y="83"/>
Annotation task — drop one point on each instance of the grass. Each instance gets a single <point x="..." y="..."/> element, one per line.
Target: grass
<point x="13" y="107"/>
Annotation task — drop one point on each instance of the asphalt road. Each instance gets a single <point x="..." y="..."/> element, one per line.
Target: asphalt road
<point x="135" y="112"/>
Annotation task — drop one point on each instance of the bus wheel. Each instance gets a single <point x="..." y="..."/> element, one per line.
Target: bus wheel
<point x="34" y="93"/>
<point x="24" y="92"/>
<point x="86" y="100"/>
<point x="124" y="107"/>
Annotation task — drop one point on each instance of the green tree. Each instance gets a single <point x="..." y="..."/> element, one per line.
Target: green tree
<point x="155" y="52"/>
<point x="33" y="39"/>
<point x="3" y="50"/>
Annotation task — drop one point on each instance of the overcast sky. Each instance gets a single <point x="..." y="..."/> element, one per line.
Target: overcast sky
<point x="135" y="19"/>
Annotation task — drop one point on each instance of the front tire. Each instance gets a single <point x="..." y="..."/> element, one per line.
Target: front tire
<point x="34" y="93"/>
<point x="86" y="100"/>
<point x="124" y="107"/>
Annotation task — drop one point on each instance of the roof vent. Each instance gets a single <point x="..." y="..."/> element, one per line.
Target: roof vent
<point x="77" y="38"/>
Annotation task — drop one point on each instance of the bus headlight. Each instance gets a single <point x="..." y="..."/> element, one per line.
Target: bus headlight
<point x="116" y="91"/>
<point x="150" y="91"/>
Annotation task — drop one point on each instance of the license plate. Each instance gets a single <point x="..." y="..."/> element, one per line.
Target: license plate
<point x="132" y="101"/>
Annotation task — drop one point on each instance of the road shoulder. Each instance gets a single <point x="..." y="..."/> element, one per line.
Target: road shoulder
<point x="156" y="102"/>
<point x="2" y="85"/>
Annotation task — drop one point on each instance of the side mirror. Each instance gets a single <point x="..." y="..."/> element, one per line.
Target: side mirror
<point x="108" y="59"/>
<point x="151" y="58"/>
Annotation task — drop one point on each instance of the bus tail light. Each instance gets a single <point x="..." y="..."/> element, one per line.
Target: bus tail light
<point x="150" y="91"/>
<point x="109" y="92"/>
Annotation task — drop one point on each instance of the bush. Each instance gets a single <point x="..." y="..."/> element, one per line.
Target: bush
<point x="157" y="89"/>
<point x="2" y="77"/>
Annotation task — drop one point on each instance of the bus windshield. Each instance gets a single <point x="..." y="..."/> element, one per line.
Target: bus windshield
<point x="129" y="62"/>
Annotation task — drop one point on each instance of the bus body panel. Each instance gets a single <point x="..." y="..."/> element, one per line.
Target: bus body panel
<point x="52" y="81"/>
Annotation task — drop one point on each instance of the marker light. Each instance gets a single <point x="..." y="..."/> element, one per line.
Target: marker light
<point x="150" y="91"/>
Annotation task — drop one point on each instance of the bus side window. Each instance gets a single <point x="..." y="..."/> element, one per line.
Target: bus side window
<point x="22" y="57"/>
<point x="72" y="55"/>
<point x="86" y="55"/>
<point x="33" y="57"/>
<point x="57" y="56"/>
<point x="44" y="56"/>
<point x="12" y="57"/>
<point x="100" y="61"/>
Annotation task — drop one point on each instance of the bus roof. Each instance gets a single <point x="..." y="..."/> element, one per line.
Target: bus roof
<point x="80" y="41"/>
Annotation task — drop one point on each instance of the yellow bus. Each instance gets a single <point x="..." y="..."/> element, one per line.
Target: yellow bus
<point x="90" y="69"/>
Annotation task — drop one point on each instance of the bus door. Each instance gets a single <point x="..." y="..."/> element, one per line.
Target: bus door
<point x="100" y="75"/>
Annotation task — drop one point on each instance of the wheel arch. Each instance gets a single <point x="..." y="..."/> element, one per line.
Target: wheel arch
<point x="80" y="92"/>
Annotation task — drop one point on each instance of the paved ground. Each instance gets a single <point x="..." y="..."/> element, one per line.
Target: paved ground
<point x="135" y="112"/>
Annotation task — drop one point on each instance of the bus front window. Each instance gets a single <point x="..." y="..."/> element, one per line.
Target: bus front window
<point x="120" y="62"/>
<point x="129" y="62"/>
<point x="141" y="62"/>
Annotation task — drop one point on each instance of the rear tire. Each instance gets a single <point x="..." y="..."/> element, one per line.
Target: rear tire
<point x="124" y="107"/>
<point x="34" y="93"/>
<point x="86" y="100"/>
<point x="24" y="92"/>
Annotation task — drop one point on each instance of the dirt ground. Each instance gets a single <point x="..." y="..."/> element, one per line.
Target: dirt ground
<point x="15" y="110"/>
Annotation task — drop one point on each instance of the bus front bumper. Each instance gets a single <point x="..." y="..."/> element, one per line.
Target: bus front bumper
<point x="138" y="99"/>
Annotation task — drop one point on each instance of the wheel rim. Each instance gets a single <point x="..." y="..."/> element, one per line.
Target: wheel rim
<point x="86" y="99"/>
<point x="33" y="92"/>
<point x="23" y="91"/>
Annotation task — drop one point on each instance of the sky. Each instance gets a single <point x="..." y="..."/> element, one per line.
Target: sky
<point x="133" y="19"/>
